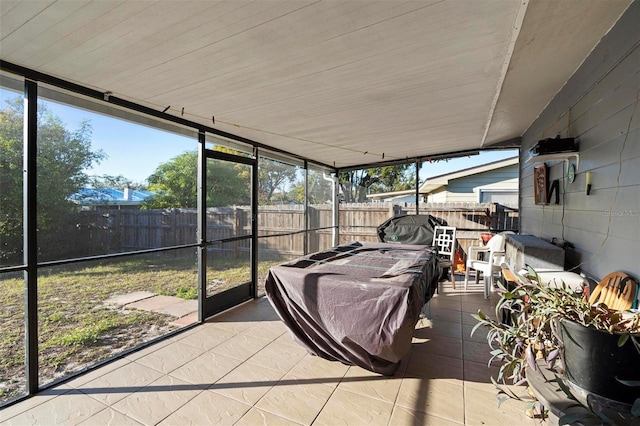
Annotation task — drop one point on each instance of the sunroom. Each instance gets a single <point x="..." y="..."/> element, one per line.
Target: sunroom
<point x="252" y="111"/>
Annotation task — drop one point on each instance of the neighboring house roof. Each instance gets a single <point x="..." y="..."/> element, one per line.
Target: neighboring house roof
<point x="104" y="196"/>
<point x="433" y="183"/>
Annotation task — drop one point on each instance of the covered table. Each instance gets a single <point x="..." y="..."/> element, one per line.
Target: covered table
<point x="356" y="303"/>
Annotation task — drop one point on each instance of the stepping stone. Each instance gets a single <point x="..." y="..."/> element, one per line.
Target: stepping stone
<point x="124" y="299"/>
<point x="185" y="320"/>
<point x="180" y="308"/>
<point x="155" y="303"/>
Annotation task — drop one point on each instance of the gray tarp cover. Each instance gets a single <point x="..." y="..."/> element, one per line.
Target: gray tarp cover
<point x="356" y="303"/>
<point x="409" y="229"/>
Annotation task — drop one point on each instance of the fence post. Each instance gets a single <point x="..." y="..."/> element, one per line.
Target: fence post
<point x="313" y="223"/>
<point x="494" y="219"/>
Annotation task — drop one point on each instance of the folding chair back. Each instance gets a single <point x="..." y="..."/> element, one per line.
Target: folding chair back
<point x="444" y="240"/>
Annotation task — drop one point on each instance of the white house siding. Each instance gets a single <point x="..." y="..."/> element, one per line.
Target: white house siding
<point x="599" y="107"/>
<point x="439" y="196"/>
<point x="465" y="189"/>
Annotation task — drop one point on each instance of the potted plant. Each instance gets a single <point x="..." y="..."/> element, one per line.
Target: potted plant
<point x="594" y="350"/>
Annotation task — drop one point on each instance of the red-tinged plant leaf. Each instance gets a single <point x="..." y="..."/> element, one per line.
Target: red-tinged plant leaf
<point x="553" y="355"/>
<point x="531" y="358"/>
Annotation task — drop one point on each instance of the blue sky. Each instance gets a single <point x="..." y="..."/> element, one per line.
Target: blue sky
<point x="135" y="151"/>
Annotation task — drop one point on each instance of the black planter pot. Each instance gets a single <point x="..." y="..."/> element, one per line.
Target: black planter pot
<point x="593" y="361"/>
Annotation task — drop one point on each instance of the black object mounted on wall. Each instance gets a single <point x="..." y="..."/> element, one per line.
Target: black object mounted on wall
<point x="553" y="146"/>
<point x="554" y="189"/>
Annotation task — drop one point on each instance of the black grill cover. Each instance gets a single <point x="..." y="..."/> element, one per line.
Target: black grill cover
<point x="409" y="229"/>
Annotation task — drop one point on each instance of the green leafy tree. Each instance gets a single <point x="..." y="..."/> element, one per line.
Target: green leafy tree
<point x="62" y="157"/>
<point x="113" y="182"/>
<point x="320" y="190"/>
<point x="356" y="184"/>
<point x="273" y="175"/>
<point x="176" y="184"/>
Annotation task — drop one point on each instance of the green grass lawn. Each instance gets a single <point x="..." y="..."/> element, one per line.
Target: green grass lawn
<point x="76" y="329"/>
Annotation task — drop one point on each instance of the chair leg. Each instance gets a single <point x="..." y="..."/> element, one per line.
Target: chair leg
<point x="488" y="284"/>
<point x="453" y="278"/>
<point x="466" y="277"/>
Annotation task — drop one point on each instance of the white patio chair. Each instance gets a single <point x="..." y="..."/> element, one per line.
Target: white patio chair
<point x="493" y="257"/>
<point x="444" y="239"/>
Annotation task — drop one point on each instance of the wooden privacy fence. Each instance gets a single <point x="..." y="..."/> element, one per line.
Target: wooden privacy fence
<point x="112" y="230"/>
<point x="360" y="221"/>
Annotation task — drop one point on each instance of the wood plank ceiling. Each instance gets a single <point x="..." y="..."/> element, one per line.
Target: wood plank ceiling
<point x="343" y="83"/>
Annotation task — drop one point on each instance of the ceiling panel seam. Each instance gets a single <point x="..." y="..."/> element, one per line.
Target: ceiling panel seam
<point x="522" y="11"/>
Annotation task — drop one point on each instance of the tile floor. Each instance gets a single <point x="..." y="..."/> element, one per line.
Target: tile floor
<point x="242" y="368"/>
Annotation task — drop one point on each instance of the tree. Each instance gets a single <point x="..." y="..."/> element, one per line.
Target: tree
<point x="62" y="157"/>
<point x="356" y="184"/>
<point x="320" y="191"/>
<point x="176" y="183"/>
<point x="272" y="175"/>
<point x="113" y="182"/>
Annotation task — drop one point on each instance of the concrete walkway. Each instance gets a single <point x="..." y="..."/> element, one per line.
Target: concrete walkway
<point x="185" y="311"/>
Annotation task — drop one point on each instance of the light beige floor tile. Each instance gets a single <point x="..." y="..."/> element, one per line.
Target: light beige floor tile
<point x="110" y="417"/>
<point x="207" y="369"/>
<point x="346" y="408"/>
<point x="287" y="339"/>
<point x="430" y="395"/>
<point x="170" y="357"/>
<point x="430" y="328"/>
<point x="120" y="383"/>
<point x="434" y="366"/>
<point x="439" y="345"/>
<point x="439" y="398"/>
<point x="372" y="385"/>
<point x="32" y="402"/>
<point x="230" y="322"/>
<point x="266" y="329"/>
<point x="479" y="335"/>
<point x="247" y="383"/>
<point x="469" y="319"/>
<point x="278" y="356"/>
<point x="241" y="346"/>
<point x="318" y="370"/>
<point x="207" y="338"/>
<point x="68" y="409"/>
<point x="153" y="403"/>
<point x="300" y="403"/>
<point x="94" y="374"/>
<point x="478" y="375"/>
<point x="481" y="408"/>
<point x="256" y="417"/>
<point x="208" y="408"/>
<point x="404" y="417"/>
<point x="477" y="352"/>
<point x="149" y="349"/>
<point x="256" y="312"/>
<point x="449" y="315"/>
<point x="445" y="302"/>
